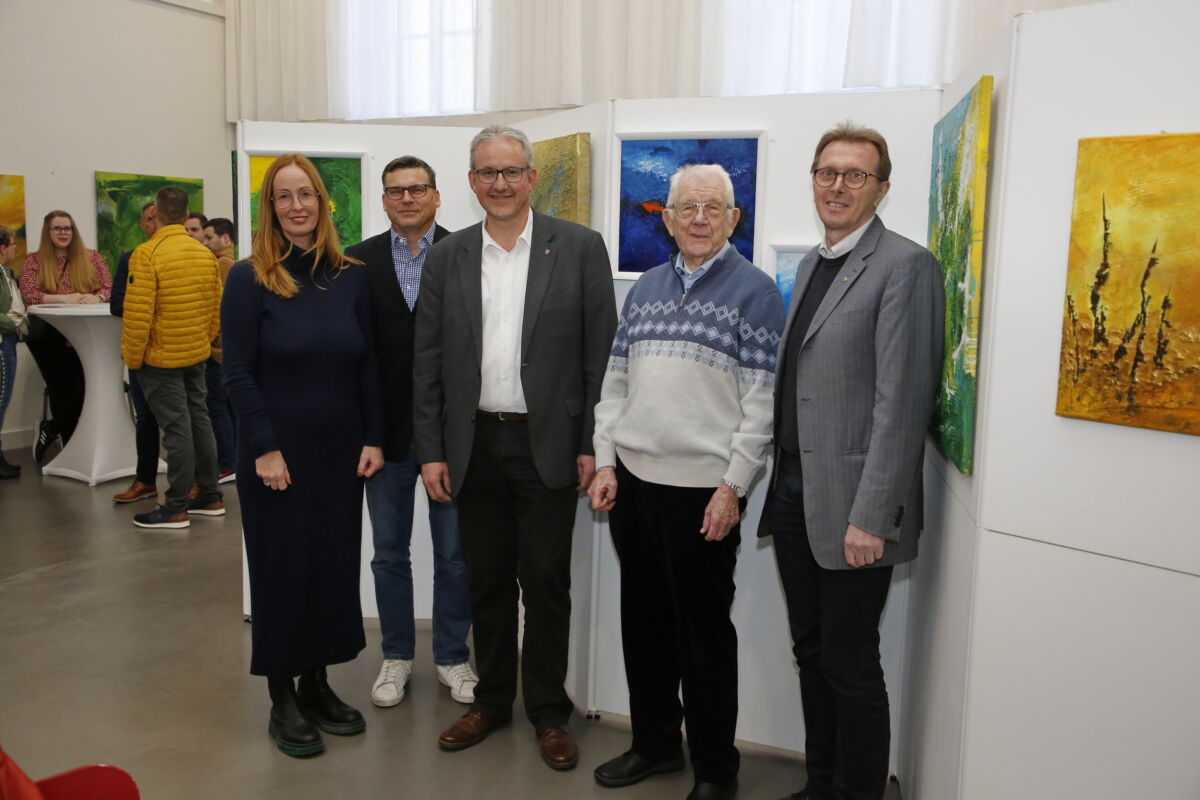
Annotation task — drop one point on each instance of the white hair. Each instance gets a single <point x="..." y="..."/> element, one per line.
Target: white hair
<point x="700" y="171"/>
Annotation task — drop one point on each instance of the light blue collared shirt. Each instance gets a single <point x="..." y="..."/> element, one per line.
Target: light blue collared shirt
<point x="690" y="276"/>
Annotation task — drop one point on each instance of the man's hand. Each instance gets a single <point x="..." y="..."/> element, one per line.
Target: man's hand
<point x="585" y="466"/>
<point x="370" y="461"/>
<point x="436" y="477"/>
<point x="603" y="491"/>
<point x="721" y="514"/>
<point x="862" y="548"/>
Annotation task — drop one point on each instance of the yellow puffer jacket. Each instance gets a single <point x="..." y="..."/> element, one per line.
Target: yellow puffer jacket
<point x="172" y="302"/>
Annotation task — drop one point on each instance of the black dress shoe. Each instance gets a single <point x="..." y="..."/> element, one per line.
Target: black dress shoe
<point x="293" y="734"/>
<point x="325" y="709"/>
<point x="629" y="768"/>
<point x="705" y="790"/>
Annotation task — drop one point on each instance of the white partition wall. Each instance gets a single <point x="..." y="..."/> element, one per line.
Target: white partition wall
<point x="1054" y="641"/>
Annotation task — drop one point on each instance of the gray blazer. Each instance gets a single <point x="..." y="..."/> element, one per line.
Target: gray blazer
<point x="569" y="320"/>
<point x="867" y="380"/>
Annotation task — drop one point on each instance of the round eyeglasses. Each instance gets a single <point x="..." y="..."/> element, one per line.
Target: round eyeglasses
<point x="851" y="179"/>
<point x="713" y="209"/>
<point x="306" y="196"/>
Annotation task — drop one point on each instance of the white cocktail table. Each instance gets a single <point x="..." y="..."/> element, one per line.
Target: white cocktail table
<point x="103" y="446"/>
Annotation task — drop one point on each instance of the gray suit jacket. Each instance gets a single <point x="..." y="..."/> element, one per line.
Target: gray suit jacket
<point x="867" y="378"/>
<point x="569" y="320"/>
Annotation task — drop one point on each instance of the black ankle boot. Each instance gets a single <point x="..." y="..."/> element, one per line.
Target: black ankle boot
<point x="8" y="470"/>
<point x="293" y="734"/>
<point x="324" y="708"/>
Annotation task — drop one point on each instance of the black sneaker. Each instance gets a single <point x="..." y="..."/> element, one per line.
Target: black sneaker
<point x="161" y="518"/>
<point x="226" y="475"/>
<point x="45" y="437"/>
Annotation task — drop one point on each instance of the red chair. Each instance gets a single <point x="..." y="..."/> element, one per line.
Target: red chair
<point x="95" y="782"/>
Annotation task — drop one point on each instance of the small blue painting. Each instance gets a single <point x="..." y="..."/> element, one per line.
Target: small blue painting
<point x="646" y="169"/>
<point x="786" y="261"/>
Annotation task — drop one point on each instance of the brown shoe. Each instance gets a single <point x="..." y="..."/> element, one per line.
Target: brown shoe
<point x="558" y="748"/>
<point x="194" y="492"/>
<point x="470" y="729"/>
<point x="136" y="491"/>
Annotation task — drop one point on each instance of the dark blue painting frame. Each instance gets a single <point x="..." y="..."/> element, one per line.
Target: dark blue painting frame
<point x="646" y="169"/>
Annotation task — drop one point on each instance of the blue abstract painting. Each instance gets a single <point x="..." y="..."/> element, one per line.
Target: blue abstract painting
<point x="786" y="262"/>
<point x="646" y="169"/>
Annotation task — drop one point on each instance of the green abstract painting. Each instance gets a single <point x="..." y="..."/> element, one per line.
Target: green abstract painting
<point x="343" y="182"/>
<point x="119" y="200"/>
<point x="564" y="186"/>
<point x="957" y="195"/>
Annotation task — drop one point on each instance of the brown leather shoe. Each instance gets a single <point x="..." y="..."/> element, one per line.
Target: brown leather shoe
<point x="470" y="729"/>
<point x="194" y="492"/>
<point x="558" y="748"/>
<point x="136" y="491"/>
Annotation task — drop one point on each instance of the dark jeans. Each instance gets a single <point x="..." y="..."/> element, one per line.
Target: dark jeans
<point x="8" y="371"/>
<point x="834" y="619"/>
<point x="176" y="396"/>
<point x="63" y="375"/>
<point x="145" y="429"/>
<point x="220" y="415"/>
<point x="391" y="493"/>
<point x="676" y="592"/>
<point x="515" y="529"/>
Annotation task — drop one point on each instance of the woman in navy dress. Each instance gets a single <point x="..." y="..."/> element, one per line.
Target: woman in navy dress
<point x="301" y="374"/>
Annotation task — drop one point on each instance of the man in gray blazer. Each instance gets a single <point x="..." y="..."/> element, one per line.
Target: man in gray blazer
<point x="514" y="323"/>
<point x="858" y="371"/>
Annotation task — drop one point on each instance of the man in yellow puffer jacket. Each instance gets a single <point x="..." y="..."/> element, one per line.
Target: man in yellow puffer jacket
<point x="172" y="313"/>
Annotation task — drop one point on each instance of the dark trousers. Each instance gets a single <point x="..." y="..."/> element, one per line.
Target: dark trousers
<point x="176" y="396"/>
<point x="834" y="619"/>
<point x="63" y="375"/>
<point x="676" y="591"/>
<point x="145" y="429"/>
<point x="220" y="415"/>
<point x="516" y="537"/>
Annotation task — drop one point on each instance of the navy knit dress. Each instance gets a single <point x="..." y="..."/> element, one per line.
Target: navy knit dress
<point x="302" y="377"/>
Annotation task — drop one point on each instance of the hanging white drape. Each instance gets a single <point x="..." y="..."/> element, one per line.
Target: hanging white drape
<point x="277" y="60"/>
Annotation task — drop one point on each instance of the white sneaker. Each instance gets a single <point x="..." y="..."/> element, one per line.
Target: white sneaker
<point x="389" y="686"/>
<point x="461" y="679"/>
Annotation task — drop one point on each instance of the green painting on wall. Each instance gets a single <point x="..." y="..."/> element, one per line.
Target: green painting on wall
<point x="343" y="181"/>
<point x="12" y="215"/>
<point x="957" y="194"/>
<point x="564" y="185"/>
<point x="119" y="200"/>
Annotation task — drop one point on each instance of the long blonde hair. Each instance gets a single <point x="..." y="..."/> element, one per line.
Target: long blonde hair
<point x="79" y="267"/>
<point x="271" y="247"/>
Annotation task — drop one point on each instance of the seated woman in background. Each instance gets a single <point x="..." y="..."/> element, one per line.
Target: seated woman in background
<point x="61" y="271"/>
<point x="12" y="326"/>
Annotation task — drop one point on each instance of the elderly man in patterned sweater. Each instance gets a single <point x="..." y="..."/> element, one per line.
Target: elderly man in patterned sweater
<point x="682" y="427"/>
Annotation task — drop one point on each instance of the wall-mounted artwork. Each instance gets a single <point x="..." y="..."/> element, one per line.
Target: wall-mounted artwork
<point x="787" y="259"/>
<point x="1131" y="323"/>
<point x="564" y="187"/>
<point x="957" y="196"/>
<point x="119" y="200"/>
<point x="12" y="215"/>
<point x="646" y="169"/>
<point x="343" y="180"/>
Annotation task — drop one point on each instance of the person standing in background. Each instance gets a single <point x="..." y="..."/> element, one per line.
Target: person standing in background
<point x="13" y="327"/>
<point x="220" y="236"/>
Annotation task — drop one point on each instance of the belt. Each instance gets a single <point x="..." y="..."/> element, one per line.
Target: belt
<point x="503" y="416"/>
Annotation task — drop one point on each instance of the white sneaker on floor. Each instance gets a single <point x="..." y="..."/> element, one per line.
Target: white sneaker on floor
<point x="389" y="686"/>
<point x="461" y="679"/>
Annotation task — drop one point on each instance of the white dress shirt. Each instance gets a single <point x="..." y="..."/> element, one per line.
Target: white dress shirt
<point x="504" y="275"/>
<point x="845" y="245"/>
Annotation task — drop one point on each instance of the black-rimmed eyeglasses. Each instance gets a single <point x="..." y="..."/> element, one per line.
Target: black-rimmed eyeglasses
<point x="851" y="178"/>
<point x="416" y="191"/>
<point x="489" y="174"/>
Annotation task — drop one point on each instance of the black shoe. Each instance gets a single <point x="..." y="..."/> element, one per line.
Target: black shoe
<point x="324" y="708"/>
<point x="7" y="470"/>
<point x="293" y="734"/>
<point x="800" y="795"/>
<point x="630" y="768"/>
<point x="704" y="790"/>
<point x="46" y="435"/>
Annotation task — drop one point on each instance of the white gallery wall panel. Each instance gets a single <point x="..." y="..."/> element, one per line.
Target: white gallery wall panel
<point x="1083" y="677"/>
<point x="1111" y="69"/>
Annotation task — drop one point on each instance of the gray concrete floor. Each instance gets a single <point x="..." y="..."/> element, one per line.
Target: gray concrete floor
<point x="127" y="646"/>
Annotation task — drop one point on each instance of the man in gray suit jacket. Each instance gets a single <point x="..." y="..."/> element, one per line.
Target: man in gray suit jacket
<point x="859" y="364"/>
<point x="514" y="323"/>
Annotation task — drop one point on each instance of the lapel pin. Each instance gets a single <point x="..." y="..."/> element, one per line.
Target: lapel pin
<point x="844" y="279"/>
<point x="547" y="251"/>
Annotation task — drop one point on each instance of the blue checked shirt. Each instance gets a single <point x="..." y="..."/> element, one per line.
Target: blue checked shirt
<point x="408" y="266"/>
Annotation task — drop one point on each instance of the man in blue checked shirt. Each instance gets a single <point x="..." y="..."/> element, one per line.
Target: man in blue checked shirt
<point x="393" y="261"/>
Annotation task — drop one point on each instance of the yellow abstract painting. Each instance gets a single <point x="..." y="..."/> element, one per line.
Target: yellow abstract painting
<point x="12" y="214"/>
<point x="1131" y="322"/>
<point x="564" y="187"/>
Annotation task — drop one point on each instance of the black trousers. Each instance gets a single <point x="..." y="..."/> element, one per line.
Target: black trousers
<point x="516" y="537"/>
<point x="145" y="428"/>
<point x="834" y="619"/>
<point x="63" y="374"/>
<point x="676" y="591"/>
